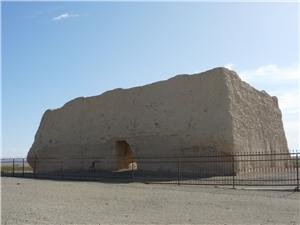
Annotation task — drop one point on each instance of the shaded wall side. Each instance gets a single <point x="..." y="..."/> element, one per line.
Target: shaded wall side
<point x="257" y="121"/>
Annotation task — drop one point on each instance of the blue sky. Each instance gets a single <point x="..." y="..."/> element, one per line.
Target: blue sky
<point x="53" y="52"/>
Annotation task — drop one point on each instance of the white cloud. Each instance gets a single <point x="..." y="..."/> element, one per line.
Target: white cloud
<point x="64" y="16"/>
<point x="272" y="72"/>
<point x="289" y="102"/>
<point x="291" y="129"/>
<point x="229" y="66"/>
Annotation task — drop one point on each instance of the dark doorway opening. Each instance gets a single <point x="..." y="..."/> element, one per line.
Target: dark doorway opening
<point x="125" y="159"/>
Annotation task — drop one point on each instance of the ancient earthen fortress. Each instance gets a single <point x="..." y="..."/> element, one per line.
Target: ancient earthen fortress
<point x="210" y="112"/>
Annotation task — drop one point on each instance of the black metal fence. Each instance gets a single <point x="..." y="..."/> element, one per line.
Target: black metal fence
<point x="253" y="169"/>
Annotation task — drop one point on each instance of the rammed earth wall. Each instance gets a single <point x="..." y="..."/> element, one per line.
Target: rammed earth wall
<point x="207" y="113"/>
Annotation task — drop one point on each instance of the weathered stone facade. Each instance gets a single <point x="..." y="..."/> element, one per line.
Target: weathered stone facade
<point x="210" y="112"/>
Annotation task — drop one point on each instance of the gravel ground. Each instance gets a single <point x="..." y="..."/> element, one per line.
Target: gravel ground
<point x="29" y="201"/>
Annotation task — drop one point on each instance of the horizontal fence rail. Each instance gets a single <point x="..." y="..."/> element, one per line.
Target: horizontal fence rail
<point x="248" y="169"/>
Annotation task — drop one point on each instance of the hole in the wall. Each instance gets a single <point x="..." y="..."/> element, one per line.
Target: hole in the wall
<point x="125" y="159"/>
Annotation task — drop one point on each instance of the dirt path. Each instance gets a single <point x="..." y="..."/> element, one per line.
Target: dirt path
<point x="28" y="201"/>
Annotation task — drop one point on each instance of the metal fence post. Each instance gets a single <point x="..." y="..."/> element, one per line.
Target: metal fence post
<point x="233" y="178"/>
<point x="178" y="171"/>
<point x="13" y="169"/>
<point x="132" y="174"/>
<point x="297" y="167"/>
<point x="34" y="166"/>
<point x="62" y="169"/>
<point x="23" y="169"/>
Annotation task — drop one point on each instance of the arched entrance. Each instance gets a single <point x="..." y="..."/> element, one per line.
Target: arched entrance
<point x="125" y="159"/>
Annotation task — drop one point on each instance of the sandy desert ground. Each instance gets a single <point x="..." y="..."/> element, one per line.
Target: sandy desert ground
<point x="29" y="201"/>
